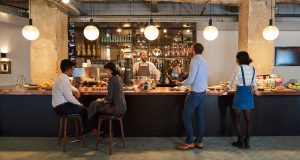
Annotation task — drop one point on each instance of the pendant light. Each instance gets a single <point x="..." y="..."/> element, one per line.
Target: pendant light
<point x="30" y="32"/>
<point x="151" y="32"/>
<point x="91" y="32"/>
<point x="271" y="32"/>
<point x="65" y="1"/>
<point x="210" y="32"/>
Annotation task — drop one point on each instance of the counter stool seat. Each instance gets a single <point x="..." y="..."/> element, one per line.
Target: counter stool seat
<point x="110" y="118"/>
<point x="63" y="126"/>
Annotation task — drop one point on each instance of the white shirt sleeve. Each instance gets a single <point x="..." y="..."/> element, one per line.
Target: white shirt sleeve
<point x="254" y="82"/>
<point x="135" y="69"/>
<point x="235" y="78"/>
<point x="74" y="89"/>
<point x="192" y="73"/>
<point x="154" y="71"/>
<point x="66" y="88"/>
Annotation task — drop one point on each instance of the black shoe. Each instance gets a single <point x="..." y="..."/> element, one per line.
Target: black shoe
<point x="239" y="143"/>
<point x="246" y="142"/>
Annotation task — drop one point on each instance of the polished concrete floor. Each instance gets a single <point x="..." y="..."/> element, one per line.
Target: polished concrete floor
<point x="150" y="148"/>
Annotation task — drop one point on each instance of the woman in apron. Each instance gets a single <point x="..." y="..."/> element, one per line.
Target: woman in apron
<point x="244" y="79"/>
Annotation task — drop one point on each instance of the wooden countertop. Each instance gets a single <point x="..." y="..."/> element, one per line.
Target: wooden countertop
<point x="158" y="91"/>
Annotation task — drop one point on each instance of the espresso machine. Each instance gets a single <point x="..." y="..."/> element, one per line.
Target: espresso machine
<point x="128" y="71"/>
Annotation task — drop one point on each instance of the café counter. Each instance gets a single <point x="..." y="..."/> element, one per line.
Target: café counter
<point x="156" y="113"/>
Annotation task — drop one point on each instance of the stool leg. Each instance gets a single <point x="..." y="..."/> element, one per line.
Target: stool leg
<point x="81" y="131"/>
<point x="60" y="129"/>
<point x="122" y="131"/>
<point x="65" y="135"/>
<point x="110" y="136"/>
<point x="98" y="132"/>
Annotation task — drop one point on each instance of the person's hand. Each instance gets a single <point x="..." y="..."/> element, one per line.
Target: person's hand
<point x="257" y="93"/>
<point x="76" y="94"/>
<point x="178" y="83"/>
<point x="221" y="92"/>
<point x="100" y="100"/>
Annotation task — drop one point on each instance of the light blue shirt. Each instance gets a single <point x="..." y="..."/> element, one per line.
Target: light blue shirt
<point x="198" y="74"/>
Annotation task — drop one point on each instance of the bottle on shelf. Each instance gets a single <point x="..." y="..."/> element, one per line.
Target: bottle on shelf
<point x="89" y="53"/>
<point x="83" y="53"/>
<point x="94" y="50"/>
<point x="78" y="50"/>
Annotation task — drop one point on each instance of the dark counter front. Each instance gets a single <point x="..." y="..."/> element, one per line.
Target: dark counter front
<point x="149" y="114"/>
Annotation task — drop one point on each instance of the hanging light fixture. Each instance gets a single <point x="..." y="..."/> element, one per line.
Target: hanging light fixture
<point x="151" y="32"/>
<point x="271" y="32"/>
<point x="91" y="32"/>
<point x="65" y="1"/>
<point x="30" y="32"/>
<point x="210" y="32"/>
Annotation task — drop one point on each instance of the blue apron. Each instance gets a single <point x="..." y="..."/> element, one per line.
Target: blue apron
<point x="243" y="98"/>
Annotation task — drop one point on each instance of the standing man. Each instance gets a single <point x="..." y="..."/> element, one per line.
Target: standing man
<point x="145" y="68"/>
<point x="63" y="100"/>
<point x="194" y="102"/>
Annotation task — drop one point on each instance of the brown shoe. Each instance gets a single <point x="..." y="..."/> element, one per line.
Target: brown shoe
<point x="185" y="146"/>
<point x="199" y="145"/>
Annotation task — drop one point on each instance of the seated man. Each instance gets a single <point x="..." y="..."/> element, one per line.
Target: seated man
<point x="63" y="100"/>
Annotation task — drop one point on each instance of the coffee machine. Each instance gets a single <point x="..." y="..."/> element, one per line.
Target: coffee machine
<point x="128" y="67"/>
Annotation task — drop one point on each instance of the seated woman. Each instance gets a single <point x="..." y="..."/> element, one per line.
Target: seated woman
<point x="114" y="103"/>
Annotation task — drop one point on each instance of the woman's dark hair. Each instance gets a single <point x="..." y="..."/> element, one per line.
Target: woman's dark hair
<point x="66" y="64"/>
<point x="111" y="66"/>
<point x="198" y="48"/>
<point x="243" y="58"/>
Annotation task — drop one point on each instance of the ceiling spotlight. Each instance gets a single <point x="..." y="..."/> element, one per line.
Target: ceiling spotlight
<point x="165" y="30"/>
<point x="188" y="30"/>
<point x="142" y="29"/>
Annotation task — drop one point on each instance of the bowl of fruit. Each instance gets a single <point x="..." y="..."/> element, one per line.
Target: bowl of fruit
<point x="47" y="86"/>
<point x="294" y="86"/>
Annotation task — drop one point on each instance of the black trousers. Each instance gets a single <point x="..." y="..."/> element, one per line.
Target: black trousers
<point x="70" y="108"/>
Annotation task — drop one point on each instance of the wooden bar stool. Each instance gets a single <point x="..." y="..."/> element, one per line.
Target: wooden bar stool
<point x="63" y="127"/>
<point x="110" y="118"/>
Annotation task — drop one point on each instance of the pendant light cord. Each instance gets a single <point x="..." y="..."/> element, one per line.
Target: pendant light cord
<point x="210" y="8"/>
<point x="271" y="9"/>
<point x="151" y="8"/>
<point x="29" y="9"/>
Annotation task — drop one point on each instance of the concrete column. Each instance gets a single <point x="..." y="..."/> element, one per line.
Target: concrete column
<point x="52" y="46"/>
<point x="254" y="16"/>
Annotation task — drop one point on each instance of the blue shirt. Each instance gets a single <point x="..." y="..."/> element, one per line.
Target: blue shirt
<point x="198" y="74"/>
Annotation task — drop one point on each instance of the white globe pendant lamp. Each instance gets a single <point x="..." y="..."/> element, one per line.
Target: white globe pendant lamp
<point x="271" y="32"/>
<point x="65" y="1"/>
<point x="151" y="32"/>
<point x="30" y="32"/>
<point x="210" y="32"/>
<point x="91" y="32"/>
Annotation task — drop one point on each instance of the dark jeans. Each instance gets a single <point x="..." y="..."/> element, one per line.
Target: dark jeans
<point x="70" y="108"/>
<point x="194" y="102"/>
